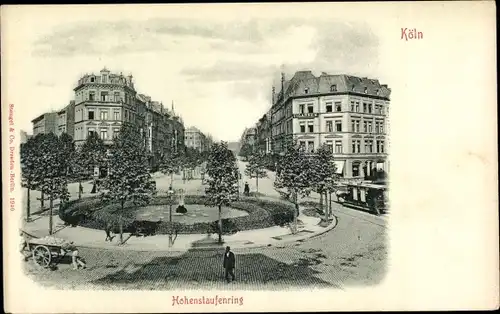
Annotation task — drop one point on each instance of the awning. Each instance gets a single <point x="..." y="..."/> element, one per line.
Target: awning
<point x="380" y="166"/>
<point x="339" y="164"/>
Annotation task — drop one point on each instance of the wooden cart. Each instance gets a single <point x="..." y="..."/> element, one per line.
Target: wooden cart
<point x="47" y="254"/>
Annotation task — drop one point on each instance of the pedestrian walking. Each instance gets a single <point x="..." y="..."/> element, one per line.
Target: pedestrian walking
<point x="107" y="229"/>
<point x="229" y="264"/>
<point x="81" y="189"/>
<point x="246" y="190"/>
<point x="76" y="259"/>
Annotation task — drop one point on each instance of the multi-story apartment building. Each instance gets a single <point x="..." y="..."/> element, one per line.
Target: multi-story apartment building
<point x="263" y="134"/>
<point x="345" y="113"/>
<point x="194" y="138"/>
<point x="45" y="123"/>
<point x="103" y="103"/>
<point x="66" y="120"/>
<point x="249" y="137"/>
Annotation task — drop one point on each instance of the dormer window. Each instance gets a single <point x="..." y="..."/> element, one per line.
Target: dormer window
<point x="104" y="78"/>
<point x="333" y="88"/>
<point x="366" y="90"/>
<point x="377" y="91"/>
<point x="92" y="79"/>
<point x="306" y="90"/>
<point x="352" y="88"/>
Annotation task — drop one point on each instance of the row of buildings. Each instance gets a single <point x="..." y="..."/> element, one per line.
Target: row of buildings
<point x="348" y="114"/>
<point x="104" y="102"/>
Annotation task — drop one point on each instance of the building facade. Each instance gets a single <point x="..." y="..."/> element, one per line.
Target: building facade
<point x="348" y="114"/>
<point x="105" y="102"/>
<point x="196" y="139"/>
<point x="45" y="123"/>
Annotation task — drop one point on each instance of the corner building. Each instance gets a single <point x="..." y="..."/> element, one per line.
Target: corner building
<point x="346" y="113"/>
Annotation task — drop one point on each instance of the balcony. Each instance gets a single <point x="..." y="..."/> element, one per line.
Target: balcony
<point x="305" y="115"/>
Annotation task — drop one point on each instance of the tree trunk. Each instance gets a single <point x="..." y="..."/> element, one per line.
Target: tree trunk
<point x="172" y="180"/>
<point x="330" y="204"/>
<point x="120" y="223"/>
<point x="28" y="205"/>
<point x="321" y="201"/>
<point x="42" y="198"/>
<point x="79" y="189"/>
<point x="220" y="225"/>
<point x="295" y="213"/>
<point x="50" y="214"/>
<point x="257" y="182"/>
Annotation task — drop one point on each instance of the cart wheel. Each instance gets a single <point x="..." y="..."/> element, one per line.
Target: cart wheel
<point x="42" y="256"/>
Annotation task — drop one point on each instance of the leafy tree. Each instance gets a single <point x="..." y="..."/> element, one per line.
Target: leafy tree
<point x="53" y="168"/>
<point x="90" y="155"/>
<point x="245" y="151"/>
<point x="30" y="169"/>
<point x="171" y="164"/>
<point x="128" y="178"/>
<point x="222" y="178"/>
<point x="69" y="154"/>
<point x="323" y="175"/>
<point x="295" y="175"/>
<point x="256" y="167"/>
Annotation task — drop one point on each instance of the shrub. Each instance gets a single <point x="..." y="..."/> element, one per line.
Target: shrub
<point x="181" y="209"/>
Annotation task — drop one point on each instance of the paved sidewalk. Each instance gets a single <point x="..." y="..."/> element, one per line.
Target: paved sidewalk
<point x="93" y="238"/>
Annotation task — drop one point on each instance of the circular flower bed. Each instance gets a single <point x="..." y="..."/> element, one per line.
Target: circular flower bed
<point x="93" y="213"/>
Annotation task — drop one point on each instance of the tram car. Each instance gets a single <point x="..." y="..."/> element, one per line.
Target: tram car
<point x="366" y="196"/>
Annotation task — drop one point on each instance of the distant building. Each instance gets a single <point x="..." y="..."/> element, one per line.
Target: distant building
<point x="194" y="138"/>
<point x="24" y="137"/>
<point x="45" y="123"/>
<point x="249" y="137"/>
<point x="66" y="120"/>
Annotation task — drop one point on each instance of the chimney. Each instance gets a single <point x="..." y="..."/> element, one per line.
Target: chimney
<point x="274" y="90"/>
<point x="282" y="84"/>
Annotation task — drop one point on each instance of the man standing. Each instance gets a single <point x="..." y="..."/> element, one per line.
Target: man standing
<point x="229" y="263"/>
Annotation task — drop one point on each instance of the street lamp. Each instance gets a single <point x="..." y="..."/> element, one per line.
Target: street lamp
<point x="170" y="197"/>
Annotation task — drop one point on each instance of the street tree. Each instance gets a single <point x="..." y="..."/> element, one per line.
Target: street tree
<point x="222" y="180"/>
<point x="256" y="167"/>
<point x="323" y="175"/>
<point x="30" y="169"/>
<point x="90" y="155"/>
<point x="245" y="151"/>
<point x="53" y="168"/>
<point x="171" y="164"/>
<point x="129" y="181"/>
<point x="295" y="176"/>
<point x="69" y="154"/>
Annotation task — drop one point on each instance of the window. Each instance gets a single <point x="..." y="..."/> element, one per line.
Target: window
<point x="126" y="115"/>
<point x="92" y="79"/>
<point x="310" y="146"/>
<point x="329" y="126"/>
<point x="381" y="129"/>
<point x="365" y="126"/>
<point x="104" y="96"/>
<point x="369" y="108"/>
<point x="338" y="126"/>
<point x="301" y="108"/>
<point x="338" y="147"/>
<point x="306" y="90"/>
<point x="91" y="115"/>
<point x="329" y="146"/>
<point x="357" y="126"/>
<point x="117" y="97"/>
<point x="302" y="127"/>
<point x="353" y="148"/>
<point x="310" y="108"/>
<point x="333" y="88"/>
<point x="358" y="143"/>
<point x="355" y="170"/>
<point x="104" y="115"/>
<point x="310" y="127"/>
<point x="116" y="115"/>
<point x="91" y="95"/>
<point x="338" y="106"/>
<point x="116" y="132"/>
<point x="104" y="134"/>
<point x="365" y="109"/>
<point x="90" y="131"/>
<point x="366" y="90"/>
<point x="368" y="146"/>
<point x="370" y="127"/>
<point x="352" y="105"/>
<point x="352" y="88"/>
<point x="357" y="106"/>
<point x="302" y="145"/>
<point x="329" y="107"/>
<point x="104" y="78"/>
<point x="353" y="125"/>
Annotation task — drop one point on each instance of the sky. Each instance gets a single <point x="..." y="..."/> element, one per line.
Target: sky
<point x="217" y="71"/>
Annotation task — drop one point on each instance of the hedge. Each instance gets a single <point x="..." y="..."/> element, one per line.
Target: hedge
<point x="261" y="214"/>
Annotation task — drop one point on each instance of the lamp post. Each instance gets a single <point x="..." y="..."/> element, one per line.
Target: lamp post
<point x="170" y="197"/>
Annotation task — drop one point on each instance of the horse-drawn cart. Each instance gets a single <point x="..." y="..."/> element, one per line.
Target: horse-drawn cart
<point x="48" y="251"/>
